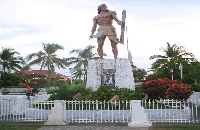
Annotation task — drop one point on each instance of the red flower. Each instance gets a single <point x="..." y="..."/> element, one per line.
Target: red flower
<point x="166" y="88"/>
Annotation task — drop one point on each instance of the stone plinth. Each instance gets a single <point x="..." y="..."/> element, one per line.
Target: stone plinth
<point x="139" y="118"/>
<point x="123" y="75"/>
<point x="56" y="117"/>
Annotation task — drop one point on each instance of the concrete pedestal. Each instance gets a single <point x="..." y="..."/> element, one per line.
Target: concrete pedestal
<point x="120" y="69"/>
<point x="57" y="114"/>
<point x="139" y="118"/>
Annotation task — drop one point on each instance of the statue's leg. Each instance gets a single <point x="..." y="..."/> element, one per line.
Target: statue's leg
<point x="114" y="48"/>
<point x="114" y="41"/>
<point x="100" y="41"/>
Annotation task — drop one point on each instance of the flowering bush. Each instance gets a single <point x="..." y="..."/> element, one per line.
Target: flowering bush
<point x="178" y="91"/>
<point x="158" y="88"/>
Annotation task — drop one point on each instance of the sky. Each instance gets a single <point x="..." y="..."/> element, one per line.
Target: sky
<point x="26" y="24"/>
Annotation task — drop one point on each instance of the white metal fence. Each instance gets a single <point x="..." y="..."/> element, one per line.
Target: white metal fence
<point x="12" y="110"/>
<point x="98" y="111"/>
<point x="174" y="111"/>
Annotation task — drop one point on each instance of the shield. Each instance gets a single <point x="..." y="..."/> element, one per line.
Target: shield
<point x="123" y="27"/>
<point x="108" y="77"/>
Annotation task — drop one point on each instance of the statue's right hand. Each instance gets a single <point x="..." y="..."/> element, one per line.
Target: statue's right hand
<point x="90" y="37"/>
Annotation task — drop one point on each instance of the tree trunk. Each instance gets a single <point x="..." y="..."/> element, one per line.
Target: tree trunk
<point x="84" y="68"/>
<point x="195" y="81"/>
<point x="85" y="75"/>
<point x="48" y="74"/>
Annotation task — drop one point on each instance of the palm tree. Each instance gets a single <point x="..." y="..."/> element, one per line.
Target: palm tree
<point x="139" y="74"/>
<point x="11" y="59"/>
<point x="48" y="58"/>
<point x="171" y="53"/>
<point x="25" y="65"/>
<point x="81" y="60"/>
<point x="78" y="73"/>
<point x="173" y="56"/>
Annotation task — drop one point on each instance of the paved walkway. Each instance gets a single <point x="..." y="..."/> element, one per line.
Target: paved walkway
<point x="91" y="127"/>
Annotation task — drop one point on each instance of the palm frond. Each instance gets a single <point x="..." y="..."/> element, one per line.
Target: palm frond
<point x="157" y="56"/>
<point x="76" y="51"/>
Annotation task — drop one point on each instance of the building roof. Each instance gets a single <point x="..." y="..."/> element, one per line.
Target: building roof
<point x="43" y="72"/>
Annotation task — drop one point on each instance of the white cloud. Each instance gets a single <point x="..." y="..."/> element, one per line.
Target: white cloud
<point x="69" y="22"/>
<point x="4" y="30"/>
<point x="19" y="29"/>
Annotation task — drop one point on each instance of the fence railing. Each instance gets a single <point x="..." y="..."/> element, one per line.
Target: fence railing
<point x="172" y="111"/>
<point x="98" y="111"/>
<point x="12" y="110"/>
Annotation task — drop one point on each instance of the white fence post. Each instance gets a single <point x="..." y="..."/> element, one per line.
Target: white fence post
<point x="139" y="118"/>
<point x="56" y="117"/>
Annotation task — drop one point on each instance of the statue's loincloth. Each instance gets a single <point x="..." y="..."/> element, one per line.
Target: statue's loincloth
<point x="110" y="32"/>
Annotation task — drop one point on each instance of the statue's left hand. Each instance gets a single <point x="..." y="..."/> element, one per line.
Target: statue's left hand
<point x="122" y="24"/>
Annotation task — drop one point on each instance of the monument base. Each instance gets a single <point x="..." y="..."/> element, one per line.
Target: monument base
<point x="56" y="123"/>
<point x="139" y="118"/>
<point x="56" y="115"/>
<point x="139" y="124"/>
<point x="110" y="72"/>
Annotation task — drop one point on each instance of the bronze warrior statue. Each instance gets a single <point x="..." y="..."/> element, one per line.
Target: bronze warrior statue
<point x="105" y="19"/>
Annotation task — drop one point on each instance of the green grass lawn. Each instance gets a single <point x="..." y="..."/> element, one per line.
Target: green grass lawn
<point x="184" y="127"/>
<point x="19" y="126"/>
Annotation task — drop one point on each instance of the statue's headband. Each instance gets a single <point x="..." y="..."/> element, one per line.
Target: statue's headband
<point x="102" y="5"/>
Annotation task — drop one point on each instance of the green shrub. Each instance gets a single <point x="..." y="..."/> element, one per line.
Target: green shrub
<point x="1" y="83"/>
<point x="68" y="82"/>
<point x="195" y="87"/>
<point x="106" y="93"/>
<point x="61" y="83"/>
<point x="50" y="91"/>
<point x="103" y="93"/>
<point x="42" y="105"/>
<point x="4" y="91"/>
<point x="77" y="81"/>
<point x="138" y="94"/>
<point x="9" y="79"/>
<point x="89" y="94"/>
<point x="78" y="88"/>
<point x="62" y="94"/>
<point x="53" y="97"/>
<point x="66" y="93"/>
<point x="36" y="90"/>
<point x="124" y="93"/>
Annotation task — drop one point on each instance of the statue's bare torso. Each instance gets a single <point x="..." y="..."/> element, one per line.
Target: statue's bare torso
<point x="105" y="18"/>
